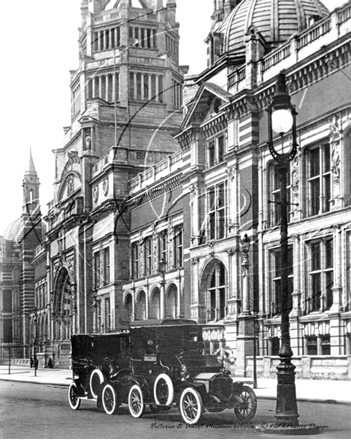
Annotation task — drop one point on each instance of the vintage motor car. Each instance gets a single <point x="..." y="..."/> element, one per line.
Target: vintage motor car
<point x="96" y="360"/>
<point x="171" y="368"/>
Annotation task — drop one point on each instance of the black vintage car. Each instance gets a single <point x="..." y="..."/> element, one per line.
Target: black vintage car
<point x="162" y="364"/>
<point x="170" y="367"/>
<point x="96" y="361"/>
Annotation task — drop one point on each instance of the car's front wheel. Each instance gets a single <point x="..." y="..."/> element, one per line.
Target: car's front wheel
<point x="136" y="401"/>
<point x="109" y="399"/>
<point x="73" y="399"/>
<point x="245" y="410"/>
<point x="190" y="406"/>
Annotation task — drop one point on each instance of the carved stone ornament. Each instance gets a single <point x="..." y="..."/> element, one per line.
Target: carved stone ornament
<point x="231" y="171"/>
<point x="105" y="187"/>
<point x="95" y="193"/>
<point x="335" y="141"/>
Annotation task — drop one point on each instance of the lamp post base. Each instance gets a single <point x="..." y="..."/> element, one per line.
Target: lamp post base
<point x="286" y="409"/>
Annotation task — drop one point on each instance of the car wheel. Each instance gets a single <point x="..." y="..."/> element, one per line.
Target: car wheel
<point x="96" y="380"/>
<point x="136" y="401"/>
<point x="109" y="399"/>
<point x="190" y="406"/>
<point x="163" y="390"/>
<point x="245" y="410"/>
<point x="73" y="399"/>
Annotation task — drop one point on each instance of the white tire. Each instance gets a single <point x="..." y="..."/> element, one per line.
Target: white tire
<point x="163" y="390"/>
<point x="136" y="402"/>
<point x="96" y="380"/>
<point x="73" y="399"/>
<point x="190" y="406"/>
<point x="109" y="399"/>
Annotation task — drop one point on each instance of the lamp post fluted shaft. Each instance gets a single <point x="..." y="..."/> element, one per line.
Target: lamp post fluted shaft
<point x="286" y="408"/>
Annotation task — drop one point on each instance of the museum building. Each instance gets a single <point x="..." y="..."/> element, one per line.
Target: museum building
<point x="167" y="198"/>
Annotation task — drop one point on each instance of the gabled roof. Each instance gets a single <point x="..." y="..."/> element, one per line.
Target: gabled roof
<point x="209" y="95"/>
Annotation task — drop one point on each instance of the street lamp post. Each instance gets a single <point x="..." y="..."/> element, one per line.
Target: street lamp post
<point x="162" y="269"/>
<point x="35" y="364"/>
<point x="282" y="119"/>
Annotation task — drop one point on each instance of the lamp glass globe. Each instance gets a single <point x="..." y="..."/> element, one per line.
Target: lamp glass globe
<point x="282" y="121"/>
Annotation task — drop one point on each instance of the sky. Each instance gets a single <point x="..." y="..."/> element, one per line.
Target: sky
<point x="39" y="49"/>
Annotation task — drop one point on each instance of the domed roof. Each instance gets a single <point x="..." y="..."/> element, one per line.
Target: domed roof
<point x="276" y="20"/>
<point x="14" y="231"/>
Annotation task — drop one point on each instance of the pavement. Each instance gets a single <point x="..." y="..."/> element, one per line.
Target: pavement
<point x="327" y="391"/>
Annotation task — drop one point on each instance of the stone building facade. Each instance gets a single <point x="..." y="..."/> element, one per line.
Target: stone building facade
<point x="17" y="249"/>
<point x="126" y="103"/>
<point x="179" y="218"/>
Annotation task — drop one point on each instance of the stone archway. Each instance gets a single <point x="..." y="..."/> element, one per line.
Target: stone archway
<point x="213" y="290"/>
<point x="172" y="301"/>
<point x="154" y="311"/>
<point x="140" y="306"/>
<point x="62" y="305"/>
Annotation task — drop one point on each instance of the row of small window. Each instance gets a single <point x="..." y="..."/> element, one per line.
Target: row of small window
<point x="146" y="251"/>
<point x="313" y="347"/>
<point x="321" y="278"/>
<point x="146" y="87"/>
<point x="105" y="87"/>
<point x="102" y="268"/>
<point x="102" y="315"/>
<point x="107" y="39"/>
<point x="142" y="37"/>
<point x="317" y="167"/>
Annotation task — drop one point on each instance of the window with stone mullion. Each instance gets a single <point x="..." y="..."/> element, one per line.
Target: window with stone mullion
<point x="321" y="275"/>
<point x="276" y="269"/>
<point x="275" y="215"/>
<point x="319" y="179"/>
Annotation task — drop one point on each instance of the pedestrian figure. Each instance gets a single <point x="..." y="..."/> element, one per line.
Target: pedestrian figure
<point x="50" y="364"/>
<point x="31" y="362"/>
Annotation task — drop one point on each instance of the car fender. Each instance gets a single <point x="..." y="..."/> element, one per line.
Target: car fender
<point x="200" y="387"/>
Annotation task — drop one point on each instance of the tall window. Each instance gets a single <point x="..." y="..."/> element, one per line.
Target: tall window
<point x="216" y="208"/>
<point x="135" y="260"/>
<point x="107" y="266"/>
<point x="276" y="271"/>
<point x="178" y="246"/>
<point x="97" y="270"/>
<point x="148" y="256"/>
<point x="319" y="179"/>
<point x="274" y="202"/>
<point x="216" y="301"/>
<point x="98" y="316"/>
<point x="107" y="315"/>
<point x="163" y="245"/>
<point x="215" y="151"/>
<point x="321" y="275"/>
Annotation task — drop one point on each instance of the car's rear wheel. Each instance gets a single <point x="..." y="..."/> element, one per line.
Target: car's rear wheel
<point x="109" y="399"/>
<point x="245" y="410"/>
<point x="163" y="390"/>
<point x="136" y="401"/>
<point x="73" y="399"/>
<point x="96" y="380"/>
<point x="190" y="406"/>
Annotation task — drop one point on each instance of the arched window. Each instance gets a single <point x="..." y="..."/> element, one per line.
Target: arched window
<point x="172" y="302"/>
<point x="214" y="283"/>
<point x="140" y="306"/>
<point x="154" y="312"/>
<point x="129" y="308"/>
